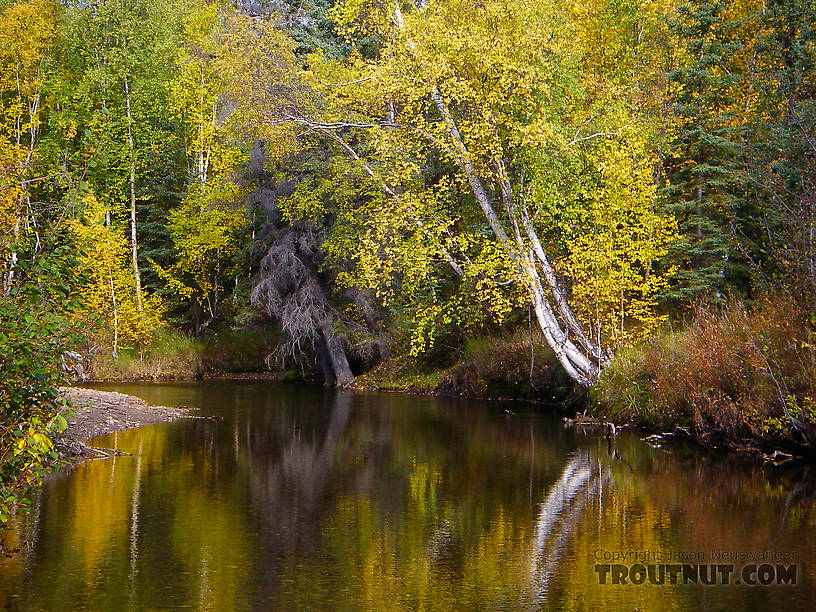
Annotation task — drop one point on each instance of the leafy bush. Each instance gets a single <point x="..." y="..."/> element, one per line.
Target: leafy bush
<point x="497" y="367"/>
<point x="33" y="336"/>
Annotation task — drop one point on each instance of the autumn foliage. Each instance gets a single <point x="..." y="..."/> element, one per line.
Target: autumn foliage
<point x="731" y="374"/>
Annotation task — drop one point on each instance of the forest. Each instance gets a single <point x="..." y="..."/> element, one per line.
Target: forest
<point x="606" y="199"/>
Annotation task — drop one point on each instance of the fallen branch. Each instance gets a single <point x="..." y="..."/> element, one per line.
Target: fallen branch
<point x="79" y="449"/>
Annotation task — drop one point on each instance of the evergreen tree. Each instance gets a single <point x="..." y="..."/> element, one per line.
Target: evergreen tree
<point x="705" y="190"/>
<point x="783" y="146"/>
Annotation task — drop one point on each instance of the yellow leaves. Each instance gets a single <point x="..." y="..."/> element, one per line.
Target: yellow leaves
<point x="204" y="233"/>
<point x="27" y="34"/>
<point x="489" y="292"/>
<point x="197" y="95"/>
<point x="261" y="78"/>
<point x="615" y="238"/>
<point x="361" y="17"/>
<point x="11" y="188"/>
<point x="108" y="296"/>
<point x="199" y="229"/>
<point x="202" y="24"/>
<point x="393" y="242"/>
<point x="306" y="202"/>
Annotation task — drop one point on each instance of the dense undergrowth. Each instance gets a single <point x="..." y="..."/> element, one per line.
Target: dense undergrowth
<point x="486" y="367"/>
<point x="732" y="376"/>
<point x="34" y="332"/>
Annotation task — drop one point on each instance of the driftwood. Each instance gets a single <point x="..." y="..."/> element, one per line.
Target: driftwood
<point x="679" y="433"/>
<point x="212" y="417"/>
<point x="611" y="430"/>
<point x="80" y="449"/>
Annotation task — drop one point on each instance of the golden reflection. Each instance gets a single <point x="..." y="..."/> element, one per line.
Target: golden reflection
<point x="371" y="502"/>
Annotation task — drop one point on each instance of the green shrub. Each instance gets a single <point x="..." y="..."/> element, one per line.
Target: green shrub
<point x="33" y="336"/>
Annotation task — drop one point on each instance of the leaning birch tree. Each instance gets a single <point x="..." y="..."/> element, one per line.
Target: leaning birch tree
<point x="495" y="90"/>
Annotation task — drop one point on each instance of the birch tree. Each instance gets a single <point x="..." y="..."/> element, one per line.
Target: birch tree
<point x="497" y="90"/>
<point x="27" y="38"/>
<point x="114" y="110"/>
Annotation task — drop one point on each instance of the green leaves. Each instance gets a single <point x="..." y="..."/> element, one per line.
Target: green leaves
<point x="34" y="332"/>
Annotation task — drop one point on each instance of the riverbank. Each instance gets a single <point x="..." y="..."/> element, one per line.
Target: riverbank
<point x="102" y="412"/>
<point x="488" y="368"/>
<point x="171" y="355"/>
<point x="738" y="378"/>
<point x="186" y="377"/>
<point x="735" y="377"/>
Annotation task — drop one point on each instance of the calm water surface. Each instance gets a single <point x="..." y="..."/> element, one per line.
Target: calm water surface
<point x="301" y="497"/>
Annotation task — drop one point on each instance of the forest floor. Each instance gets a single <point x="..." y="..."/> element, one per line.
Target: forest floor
<point x="101" y="412"/>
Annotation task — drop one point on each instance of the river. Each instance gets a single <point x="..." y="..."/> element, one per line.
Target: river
<point x="299" y="497"/>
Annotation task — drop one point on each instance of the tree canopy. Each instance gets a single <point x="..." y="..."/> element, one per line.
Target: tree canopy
<point x="415" y="171"/>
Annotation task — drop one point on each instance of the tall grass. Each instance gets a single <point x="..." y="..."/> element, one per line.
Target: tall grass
<point x="732" y="373"/>
<point x="170" y="355"/>
<point x="173" y="355"/>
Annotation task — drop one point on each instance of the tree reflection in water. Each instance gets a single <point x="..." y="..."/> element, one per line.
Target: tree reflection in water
<point x="582" y="480"/>
<point x="301" y="498"/>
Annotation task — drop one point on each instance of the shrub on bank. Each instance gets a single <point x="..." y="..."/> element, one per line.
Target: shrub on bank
<point x="487" y="367"/>
<point x="507" y="368"/>
<point x="731" y="374"/>
<point x="33" y="334"/>
<point x="30" y="412"/>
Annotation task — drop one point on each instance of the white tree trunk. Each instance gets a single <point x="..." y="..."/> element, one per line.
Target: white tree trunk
<point x="134" y="245"/>
<point x="582" y="362"/>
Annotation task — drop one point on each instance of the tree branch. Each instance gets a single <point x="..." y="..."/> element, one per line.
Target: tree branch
<point x="457" y="269"/>
<point x="598" y="135"/>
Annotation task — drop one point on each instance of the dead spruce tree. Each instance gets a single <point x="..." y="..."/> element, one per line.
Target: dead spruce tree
<point x="289" y="290"/>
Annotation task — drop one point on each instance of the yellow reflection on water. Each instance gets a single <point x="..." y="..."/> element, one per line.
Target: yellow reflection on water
<point x="391" y="503"/>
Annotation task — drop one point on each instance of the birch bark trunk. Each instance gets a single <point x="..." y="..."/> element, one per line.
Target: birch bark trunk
<point x="582" y="362"/>
<point x="134" y="245"/>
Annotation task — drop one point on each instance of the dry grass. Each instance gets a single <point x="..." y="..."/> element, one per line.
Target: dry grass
<point x="172" y="355"/>
<point x="731" y="374"/>
<point x="169" y="356"/>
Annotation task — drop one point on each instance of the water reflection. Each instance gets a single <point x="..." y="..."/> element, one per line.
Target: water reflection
<point x="582" y="481"/>
<point x="303" y="498"/>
